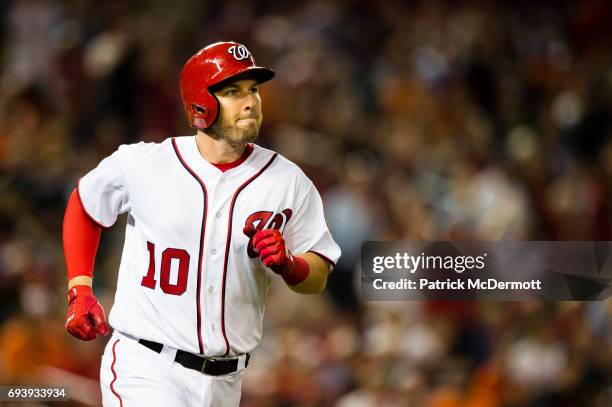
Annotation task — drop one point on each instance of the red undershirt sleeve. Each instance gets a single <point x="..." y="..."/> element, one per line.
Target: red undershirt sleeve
<point x="81" y="238"/>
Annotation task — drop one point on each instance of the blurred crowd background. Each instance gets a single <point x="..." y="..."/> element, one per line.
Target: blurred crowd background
<point x="417" y="120"/>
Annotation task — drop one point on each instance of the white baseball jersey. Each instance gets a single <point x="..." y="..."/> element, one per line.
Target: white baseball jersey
<point x="188" y="278"/>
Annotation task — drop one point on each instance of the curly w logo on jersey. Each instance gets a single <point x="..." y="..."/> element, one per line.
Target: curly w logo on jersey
<point x="266" y="220"/>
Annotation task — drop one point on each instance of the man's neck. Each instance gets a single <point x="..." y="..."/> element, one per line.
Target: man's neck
<point x="218" y="151"/>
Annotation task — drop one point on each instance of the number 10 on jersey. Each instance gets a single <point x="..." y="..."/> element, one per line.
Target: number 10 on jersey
<point x="164" y="276"/>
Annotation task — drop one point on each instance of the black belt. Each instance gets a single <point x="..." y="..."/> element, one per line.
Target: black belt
<point x="209" y="366"/>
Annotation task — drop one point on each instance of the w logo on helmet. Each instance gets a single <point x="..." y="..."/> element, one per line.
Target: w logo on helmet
<point x="239" y="52"/>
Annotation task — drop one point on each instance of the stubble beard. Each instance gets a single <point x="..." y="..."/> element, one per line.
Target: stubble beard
<point x="233" y="134"/>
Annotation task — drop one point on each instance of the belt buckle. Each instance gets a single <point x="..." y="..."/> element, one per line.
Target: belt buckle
<point x="206" y="360"/>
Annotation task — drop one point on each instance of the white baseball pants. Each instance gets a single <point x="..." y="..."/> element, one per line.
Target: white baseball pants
<point x="132" y="375"/>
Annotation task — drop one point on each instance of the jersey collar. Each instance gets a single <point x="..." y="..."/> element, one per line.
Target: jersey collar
<point x="253" y="159"/>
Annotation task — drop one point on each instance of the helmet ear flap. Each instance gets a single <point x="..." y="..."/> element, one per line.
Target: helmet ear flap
<point x="204" y="114"/>
<point x="197" y="109"/>
<point x="197" y="116"/>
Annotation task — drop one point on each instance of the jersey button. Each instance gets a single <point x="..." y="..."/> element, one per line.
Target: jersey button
<point x="222" y="181"/>
<point x="214" y="251"/>
<point x="211" y="289"/>
<point x="213" y="326"/>
<point x="218" y="215"/>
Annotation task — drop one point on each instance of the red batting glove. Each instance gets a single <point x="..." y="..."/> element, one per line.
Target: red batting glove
<point x="85" y="318"/>
<point x="270" y="246"/>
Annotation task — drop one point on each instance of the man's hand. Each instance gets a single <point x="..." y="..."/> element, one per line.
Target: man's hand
<point x="85" y="318"/>
<point x="270" y="246"/>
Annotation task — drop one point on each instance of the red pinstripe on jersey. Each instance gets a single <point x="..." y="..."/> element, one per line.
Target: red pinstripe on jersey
<point x="202" y="232"/>
<point x="227" y="245"/>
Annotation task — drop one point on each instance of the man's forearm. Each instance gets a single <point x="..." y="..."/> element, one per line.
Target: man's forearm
<point x="81" y="237"/>
<point x="317" y="277"/>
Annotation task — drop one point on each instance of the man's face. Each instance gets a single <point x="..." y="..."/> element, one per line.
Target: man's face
<point x="239" y="112"/>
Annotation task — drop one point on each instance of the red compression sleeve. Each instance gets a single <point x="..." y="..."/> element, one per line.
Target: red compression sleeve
<point x="81" y="237"/>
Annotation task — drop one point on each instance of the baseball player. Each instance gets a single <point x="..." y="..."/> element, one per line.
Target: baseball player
<point x="213" y="221"/>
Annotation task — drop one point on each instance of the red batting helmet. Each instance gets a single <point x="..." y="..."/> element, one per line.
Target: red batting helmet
<point x="210" y="66"/>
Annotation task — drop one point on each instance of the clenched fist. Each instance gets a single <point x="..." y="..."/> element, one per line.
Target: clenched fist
<point x="271" y="249"/>
<point x="85" y="318"/>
